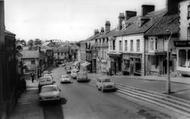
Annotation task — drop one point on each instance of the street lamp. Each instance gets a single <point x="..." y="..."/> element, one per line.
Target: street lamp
<point x="168" y="85"/>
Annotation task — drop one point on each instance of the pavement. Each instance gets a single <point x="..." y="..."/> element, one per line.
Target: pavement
<point x="27" y="106"/>
<point x="180" y="86"/>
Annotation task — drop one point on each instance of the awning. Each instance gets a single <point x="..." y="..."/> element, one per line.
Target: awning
<point x="84" y="64"/>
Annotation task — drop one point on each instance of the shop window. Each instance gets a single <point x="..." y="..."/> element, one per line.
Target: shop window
<point x="188" y="12"/>
<point x="188" y="58"/>
<point x="138" y="45"/>
<point x="126" y="45"/>
<point x="131" y="45"/>
<point x="33" y="61"/>
<point x="126" y="64"/>
<point x="182" y="58"/>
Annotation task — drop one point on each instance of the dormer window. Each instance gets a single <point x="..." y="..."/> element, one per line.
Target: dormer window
<point x="188" y="12"/>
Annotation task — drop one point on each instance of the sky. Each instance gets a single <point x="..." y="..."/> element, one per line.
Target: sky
<point x="67" y="20"/>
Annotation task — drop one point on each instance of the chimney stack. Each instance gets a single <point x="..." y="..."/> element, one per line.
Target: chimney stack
<point x="129" y="14"/>
<point x="96" y="32"/>
<point x="147" y="9"/>
<point x="172" y="6"/>
<point x="102" y="30"/>
<point x="121" y="18"/>
<point x="107" y="26"/>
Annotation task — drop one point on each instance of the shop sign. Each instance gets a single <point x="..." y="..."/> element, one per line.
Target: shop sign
<point x="182" y="43"/>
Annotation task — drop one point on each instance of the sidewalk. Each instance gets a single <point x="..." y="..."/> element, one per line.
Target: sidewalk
<point x="27" y="106"/>
<point x="180" y="86"/>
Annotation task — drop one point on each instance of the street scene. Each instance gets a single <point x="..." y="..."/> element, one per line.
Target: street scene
<point x="73" y="59"/>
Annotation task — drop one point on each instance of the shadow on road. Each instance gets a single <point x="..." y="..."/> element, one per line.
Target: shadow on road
<point x="53" y="110"/>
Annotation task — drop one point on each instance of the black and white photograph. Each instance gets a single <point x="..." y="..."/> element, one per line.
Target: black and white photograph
<point x="94" y="59"/>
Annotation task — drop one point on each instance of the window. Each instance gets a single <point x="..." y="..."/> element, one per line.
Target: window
<point x="151" y="44"/>
<point x="33" y="61"/>
<point x="131" y="45"/>
<point x="120" y="45"/>
<point x="126" y="45"/>
<point x="182" y="58"/>
<point x="188" y="33"/>
<point x="188" y="12"/>
<point x="113" y="44"/>
<point x="138" y="45"/>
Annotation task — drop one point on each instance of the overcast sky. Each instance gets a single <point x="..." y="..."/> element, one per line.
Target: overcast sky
<point x="71" y="20"/>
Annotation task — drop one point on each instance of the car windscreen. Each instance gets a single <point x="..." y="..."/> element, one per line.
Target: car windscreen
<point x="48" y="89"/>
<point x="106" y="80"/>
<point x="65" y="76"/>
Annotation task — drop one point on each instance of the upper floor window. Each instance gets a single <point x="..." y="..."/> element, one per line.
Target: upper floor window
<point x="188" y="33"/>
<point x="131" y="45"/>
<point x="138" y="45"/>
<point x="120" y="45"/>
<point x="103" y="40"/>
<point x="151" y="45"/>
<point x="113" y="44"/>
<point x="188" y="12"/>
<point x="126" y="45"/>
<point x="96" y="41"/>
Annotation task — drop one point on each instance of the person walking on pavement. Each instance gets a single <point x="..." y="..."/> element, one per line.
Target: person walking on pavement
<point x="32" y="76"/>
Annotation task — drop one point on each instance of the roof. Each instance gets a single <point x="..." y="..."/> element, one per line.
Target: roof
<point x="132" y="25"/>
<point x="30" y="54"/>
<point x="168" y="22"/>
<point x="8" y="32"/>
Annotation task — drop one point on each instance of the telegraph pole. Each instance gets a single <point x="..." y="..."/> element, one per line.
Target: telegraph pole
<point x="168" y="84"/>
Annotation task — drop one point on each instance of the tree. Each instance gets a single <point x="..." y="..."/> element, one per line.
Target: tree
<point x="37" y="42"/>
<point x="30" y="44"/>
<point x="23" y="42"/>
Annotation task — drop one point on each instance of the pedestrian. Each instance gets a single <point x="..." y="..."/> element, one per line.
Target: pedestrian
<point x="32" y="76"/>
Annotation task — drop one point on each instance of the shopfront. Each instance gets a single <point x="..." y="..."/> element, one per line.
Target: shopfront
<point x="183" y="57"/>
<point x="115" y="62"/>
<point x="132" y="64"/>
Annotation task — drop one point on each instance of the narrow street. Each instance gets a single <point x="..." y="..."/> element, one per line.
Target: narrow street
<point x="84" y="101"/>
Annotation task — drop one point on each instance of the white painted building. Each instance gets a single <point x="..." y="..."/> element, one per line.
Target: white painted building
<point x="183" y="46"/>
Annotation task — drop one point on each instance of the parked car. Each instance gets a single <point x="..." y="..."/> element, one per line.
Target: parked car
<point x="105" y="83"/>
<point x="45" y="81"/>
<point x="49" y="93"/>
<point x="74" y="73"/>
<point x="46" y="72"/>
<point x="82" y="77"/>
<point x="68" y="69"/>
<point x="65" y="79"/>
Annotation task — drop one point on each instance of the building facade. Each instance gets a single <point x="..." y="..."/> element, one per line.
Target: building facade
<point x="182" y="46"/>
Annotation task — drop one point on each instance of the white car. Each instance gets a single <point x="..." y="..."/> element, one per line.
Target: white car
<point x="65" y="79"/>
<point x="74" y="74"/>
<point x="105" y="83"/>
<point x="45" y="81"/>
<point x="49" y="93"/>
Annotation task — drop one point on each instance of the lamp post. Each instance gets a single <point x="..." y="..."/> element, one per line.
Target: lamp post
<point x="168" y="85"/>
